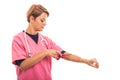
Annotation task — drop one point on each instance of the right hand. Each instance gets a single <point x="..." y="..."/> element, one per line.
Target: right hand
<point x="53" y="53"/>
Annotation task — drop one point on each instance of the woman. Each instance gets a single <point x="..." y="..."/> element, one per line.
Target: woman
<point x="32" y="51"/>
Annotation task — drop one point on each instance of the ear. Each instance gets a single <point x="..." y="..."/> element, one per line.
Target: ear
<point x="32" y="19"/>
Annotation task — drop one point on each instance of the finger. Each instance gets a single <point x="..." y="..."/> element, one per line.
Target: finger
<point x="58" y="53"/>
<point x="95" y="65"/>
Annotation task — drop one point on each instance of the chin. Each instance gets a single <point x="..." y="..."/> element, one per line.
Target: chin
<point x="40" y="30"/>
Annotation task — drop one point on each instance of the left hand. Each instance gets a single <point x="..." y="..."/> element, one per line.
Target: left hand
<point x="93" y="62"/>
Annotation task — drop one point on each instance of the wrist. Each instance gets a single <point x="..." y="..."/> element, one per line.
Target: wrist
<point x="86" y="61"/>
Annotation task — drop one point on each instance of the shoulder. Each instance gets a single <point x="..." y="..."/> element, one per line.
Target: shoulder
<point x="18" y="36"/>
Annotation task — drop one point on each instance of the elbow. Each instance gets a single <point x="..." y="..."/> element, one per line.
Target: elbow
<point x="23" y="67"/>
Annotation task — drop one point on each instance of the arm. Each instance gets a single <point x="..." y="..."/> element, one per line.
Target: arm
<point x="91" y="62"/>
<point x="29" y="62"/>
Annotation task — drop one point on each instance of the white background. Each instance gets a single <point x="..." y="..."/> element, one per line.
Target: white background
<point x="87" y="28"/>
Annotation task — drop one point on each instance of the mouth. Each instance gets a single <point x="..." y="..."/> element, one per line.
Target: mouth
<point x="42" y="27"/>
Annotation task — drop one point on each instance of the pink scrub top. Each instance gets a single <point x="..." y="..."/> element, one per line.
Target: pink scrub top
<point x="41" y="70"/>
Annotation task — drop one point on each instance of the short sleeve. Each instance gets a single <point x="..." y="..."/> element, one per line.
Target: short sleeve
<point x="18" y="50"/>
<point x="53" y="45"/>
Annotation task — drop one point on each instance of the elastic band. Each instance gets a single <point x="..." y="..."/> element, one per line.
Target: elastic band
<point x="63" y="55"/>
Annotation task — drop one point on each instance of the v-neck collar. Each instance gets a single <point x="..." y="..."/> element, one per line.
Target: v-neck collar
<point x="34" y="37"/>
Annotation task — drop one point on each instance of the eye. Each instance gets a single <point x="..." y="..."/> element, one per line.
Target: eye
<point x="41" y="20"/>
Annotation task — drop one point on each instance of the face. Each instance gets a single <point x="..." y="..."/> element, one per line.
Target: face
<point x="39" y="23"/>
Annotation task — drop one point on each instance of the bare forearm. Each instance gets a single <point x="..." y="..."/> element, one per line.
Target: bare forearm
<point x="75" y="58"/>
<point x="91" y="62"/>
<point x="29" y="62"/>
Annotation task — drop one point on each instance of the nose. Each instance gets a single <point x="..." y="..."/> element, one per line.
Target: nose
<point x="44" y="23"/>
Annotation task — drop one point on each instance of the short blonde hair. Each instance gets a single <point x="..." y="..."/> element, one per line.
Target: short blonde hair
<point x="36" y="10"/>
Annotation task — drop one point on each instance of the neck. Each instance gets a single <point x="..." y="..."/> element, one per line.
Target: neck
<point x="30" y="30"/>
